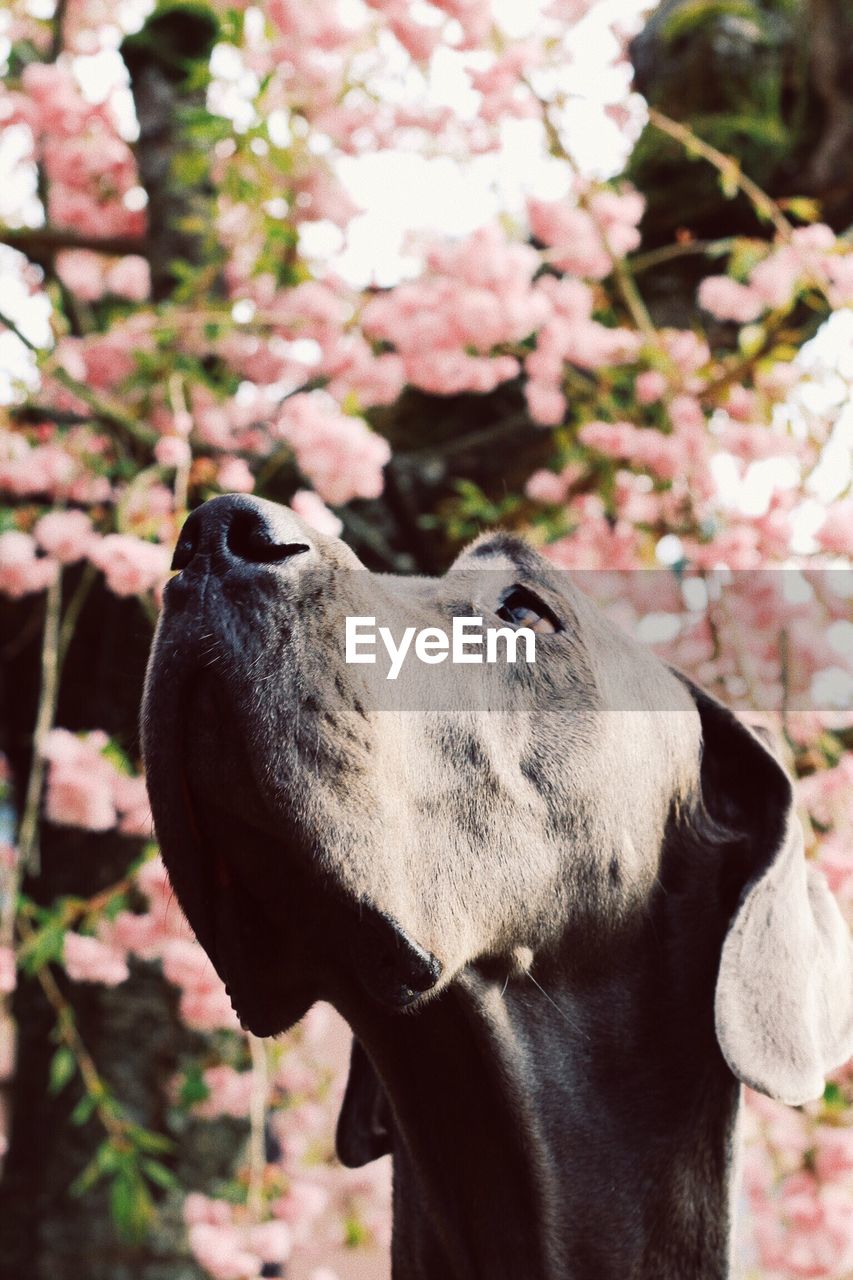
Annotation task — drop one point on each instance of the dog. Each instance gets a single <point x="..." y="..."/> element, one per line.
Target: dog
<point x="562" y="904"/>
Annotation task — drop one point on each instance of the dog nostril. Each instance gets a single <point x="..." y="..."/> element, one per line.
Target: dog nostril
<point x="186" y="546"/>
<point x="249" y="539"/>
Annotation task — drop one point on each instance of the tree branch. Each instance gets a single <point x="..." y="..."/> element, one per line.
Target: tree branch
<point x="728" y="168"/>
<point x="40" y="243"/>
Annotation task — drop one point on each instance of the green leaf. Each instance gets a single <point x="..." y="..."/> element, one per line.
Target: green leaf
<point x="751" y="339"/>
<point x="130" y="1203"/>
<point x="62" y="1068"/>
<point x="730" y="179"/>
<point x="145" y="1140"/>
<point x="84" y="1109"/>
<point x="355" y="1233"/>
<point x="113" y="752"/>
<point x="833" y="1096"/>
<point x="193" y="1089"/>
<point x="159" y="1174"/>
<point x="44" y="947"/>
<point x="104" y="1161"/>
<point x="802" y="208"/>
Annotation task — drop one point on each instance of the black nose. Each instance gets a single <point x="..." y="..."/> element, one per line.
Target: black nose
<point x="237" y="527"/>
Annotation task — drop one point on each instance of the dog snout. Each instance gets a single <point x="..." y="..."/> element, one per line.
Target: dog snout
<point x="238" y="529"/>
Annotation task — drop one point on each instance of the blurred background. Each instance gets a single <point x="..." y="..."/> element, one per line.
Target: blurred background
<point x="580" y="268"/>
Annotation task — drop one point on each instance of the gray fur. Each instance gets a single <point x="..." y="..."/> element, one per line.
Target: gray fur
<point x="518" y="903"/>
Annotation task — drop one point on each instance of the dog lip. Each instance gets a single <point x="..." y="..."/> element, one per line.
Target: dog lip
<point x="394" y="969"/>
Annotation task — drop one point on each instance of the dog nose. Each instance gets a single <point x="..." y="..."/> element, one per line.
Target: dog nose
<point x="238" y="528"/>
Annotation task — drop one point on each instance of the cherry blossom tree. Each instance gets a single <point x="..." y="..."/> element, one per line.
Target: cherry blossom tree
<point x="631" y="387"/>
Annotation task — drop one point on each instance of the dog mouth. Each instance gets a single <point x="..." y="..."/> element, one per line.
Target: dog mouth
<point x="279" y="933"/>
<point x="235" y="926"/>
<point x="251" y="933"/>
<point x="258" y="888"/>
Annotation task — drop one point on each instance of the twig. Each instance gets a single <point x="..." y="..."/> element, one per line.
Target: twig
<point x="114" y="1125"/>
<point x="257" y="1120"/>
<point x="37" y="242"/>
<point x="105" y="409"/>
<point x="178" y="405"/>
<point x="625" y="282"/>
<point x="72" y="611"/>
<point x="727" y="167"/>
<point x="667" y="252"/>
<point x="58" y="40"/>
<point x="28" y="836"/>
<point x="9" y="323"/>
<point x="102" y="407"/>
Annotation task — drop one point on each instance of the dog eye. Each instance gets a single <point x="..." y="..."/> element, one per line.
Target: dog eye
<point x="521" y="608"/>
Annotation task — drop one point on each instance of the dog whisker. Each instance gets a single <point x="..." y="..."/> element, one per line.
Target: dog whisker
<point x="569" y="1021"/>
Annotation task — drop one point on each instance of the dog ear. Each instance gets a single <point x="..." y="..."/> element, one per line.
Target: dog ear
<point x="364" y="1125"/>
<point x="784" y="995"/>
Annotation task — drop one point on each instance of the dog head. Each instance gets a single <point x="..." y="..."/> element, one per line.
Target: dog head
<point x="330" y="830"/>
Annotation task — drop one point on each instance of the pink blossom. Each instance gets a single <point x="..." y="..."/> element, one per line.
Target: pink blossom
<point x="172" y="451"/>
<point x="234" y="476"/>
<point x="229" y="1092"/>
<point x="271" y="1241"/>
<point x="8" y="971"/>
<point x="592" y="345"/>
<point x="571" y="299"/>
<point x="686" y="415"/>
<point x="152" y="880"/>
<point x="448" y="373"/>
<point x="545" y="486"/>
<point x="65" y="535"/>
<point x="573" y="237"/>
<point x="75" y="799"/>
<point x="200" y="1208"/>
<point x="834" y="1155"/>
<point x="546" y="404"/>
<point x="618" y="214"/>
<point x="185" y="964"/>
<point x="53" y="89"/>
<point x="130" y="565"/>
<point x="85" y="789"/>
<point x="686" y="349"/>
<point x="314" y="511"/>
<point x="82" y="271"/>
<point x="222" y="1253"/>
<point x="301" y="1204"/>
<point x="353" y="369"/>
<point x="26" y="470"/>
<point x="203" y="1003"/>
<point x="131" y="800"/>
<point x="339" y="454"/>
<point x="742" y="404"/>
<point x="726" y="299"/>
<point x="130" y="278"/>
<point x="22" y="572"/>
<point x="584" y="243"/>
<point x="775" y="279"/>
<point x="89" y="960"/>
<point x="418" y="40"/>
<point x="143" y="934"/>
<point x="836" y="532"/>
<point x="839" y="269"/>
<point x="646" y="447"/>
<point x="595" y="544"/>
<point x="649" y="386"/>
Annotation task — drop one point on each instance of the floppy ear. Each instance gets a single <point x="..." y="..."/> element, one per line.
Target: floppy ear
<point x="784" y="996"/>
<point x="364" y="1125"/>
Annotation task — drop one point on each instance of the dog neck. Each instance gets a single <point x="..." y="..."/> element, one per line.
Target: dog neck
<point x="560" y="1129"/>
